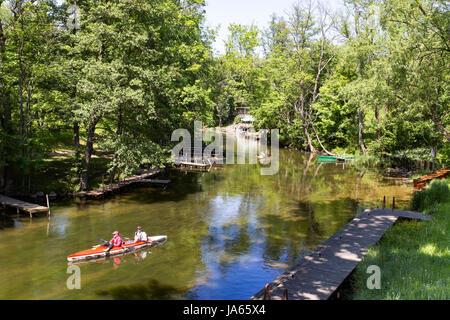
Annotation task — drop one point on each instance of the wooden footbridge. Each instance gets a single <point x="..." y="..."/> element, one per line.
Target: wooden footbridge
<point x="318" y="275"/>
<point x="20" y="205"/>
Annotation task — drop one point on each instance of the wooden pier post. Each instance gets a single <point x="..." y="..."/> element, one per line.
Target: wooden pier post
<point x="384" y="202"/>
<point x="393" y="203"/>
<point x="48" y="206"/>
<point x="267" y="291"/>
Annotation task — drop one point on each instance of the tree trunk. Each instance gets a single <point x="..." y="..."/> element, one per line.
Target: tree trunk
<point x="308" y="139"/>
<point x="118" y="132"/>
<point x="377" y="117"/>
<point x="320" y="142"/>
<point x="76" y="144"/>
<point x="5" y="118"/>
<point x="5" y="112"/>
<point x="433" y="157"/>
<point x="76" y="136"/>
<point x="361" y="140"/>
<point x="87" y="155"/>
<point x="22" y="118"/>
<point x="439" y="124"/>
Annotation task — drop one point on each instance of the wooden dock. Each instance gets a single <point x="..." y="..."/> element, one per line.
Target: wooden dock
<point x="153" y="181"/>
<point x="111" y="189"/>
<point x="30" y="208"/>
<point x="195" y="165"/>
<point x="319" y="274"/>
<point x="421" y="182"/>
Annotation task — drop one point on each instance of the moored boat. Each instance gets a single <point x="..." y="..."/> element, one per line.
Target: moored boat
<point x="98" y="251"/>
<point x="334" y="158"/>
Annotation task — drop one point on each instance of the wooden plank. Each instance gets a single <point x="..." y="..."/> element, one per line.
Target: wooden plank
<point x="320" y="273"/>
<point x="194" y="164"/>
<point x="153" y="181"/>
<point x="22" y="205"/>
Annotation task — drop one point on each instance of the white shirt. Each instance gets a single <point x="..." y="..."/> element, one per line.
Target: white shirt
<point x="140" y="236"/>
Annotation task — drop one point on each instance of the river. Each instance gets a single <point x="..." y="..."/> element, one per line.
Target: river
<point x="230" y="231"/>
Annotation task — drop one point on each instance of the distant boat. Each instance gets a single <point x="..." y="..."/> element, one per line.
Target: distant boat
<point x="335" y="158"/>
<point x="261" y="156"/>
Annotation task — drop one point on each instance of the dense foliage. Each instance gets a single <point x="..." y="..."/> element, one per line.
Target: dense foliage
<point x="115" y="78"/>
<point x="372" y="79"/>
<point x="130" y="74"/>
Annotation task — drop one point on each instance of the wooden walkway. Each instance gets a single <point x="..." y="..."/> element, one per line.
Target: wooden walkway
<point x="111" y="189"/>
<point x="153" y="181"/>
<point x="421" y="182"/>
<point x="318" y="275"/>
<point x="194" y="165"/>
<point x="31" y="208"/>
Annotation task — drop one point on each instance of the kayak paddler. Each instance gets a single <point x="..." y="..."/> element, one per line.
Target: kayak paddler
<point x="116" y="241"/>
<point x="140" y="235"/>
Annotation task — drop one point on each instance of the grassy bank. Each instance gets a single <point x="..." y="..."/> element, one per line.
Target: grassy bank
<point x="414" y="257"/>
<point x="57" y="173"/>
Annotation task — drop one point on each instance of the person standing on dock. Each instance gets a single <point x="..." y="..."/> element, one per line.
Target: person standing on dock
<point x="116" y="241"/>
<point x="140" y="235"/>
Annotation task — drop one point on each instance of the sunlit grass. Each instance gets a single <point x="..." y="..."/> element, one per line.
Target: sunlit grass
<point x="58" y="174"/>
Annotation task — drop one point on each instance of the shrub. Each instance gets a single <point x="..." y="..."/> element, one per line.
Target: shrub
<point x="372" y="161"/>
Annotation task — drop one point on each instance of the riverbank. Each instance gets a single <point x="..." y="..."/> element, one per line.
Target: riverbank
<point x="396" y="166"/>
<point x="413" y="256"/>
<point x="58" y="178"/>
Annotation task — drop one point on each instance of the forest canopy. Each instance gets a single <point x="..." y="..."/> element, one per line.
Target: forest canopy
<point x="114" y="78"/>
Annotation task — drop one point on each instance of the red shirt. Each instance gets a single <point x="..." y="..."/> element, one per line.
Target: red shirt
<point x="116" y="241"/>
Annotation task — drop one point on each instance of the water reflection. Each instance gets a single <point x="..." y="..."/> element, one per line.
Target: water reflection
<point x="152" y="289"/>
<point x="129" y="257"/>
<point x="6" y="221"/>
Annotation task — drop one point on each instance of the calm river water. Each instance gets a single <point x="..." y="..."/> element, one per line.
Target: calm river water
<point x="230" y="231"/>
